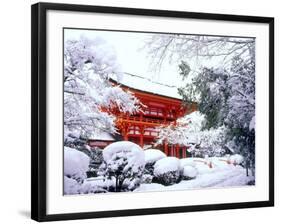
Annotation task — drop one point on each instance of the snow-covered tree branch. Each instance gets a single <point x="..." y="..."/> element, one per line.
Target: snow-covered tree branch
<point x="88" y="92"/>
<point x="176" y="47"/>
<point x="188" y="132"/>
<point x="219" y="74"/>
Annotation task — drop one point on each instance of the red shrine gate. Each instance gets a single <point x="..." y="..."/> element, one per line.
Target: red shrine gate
<point x="162" y="107"/>
<point x="159" y="110"/>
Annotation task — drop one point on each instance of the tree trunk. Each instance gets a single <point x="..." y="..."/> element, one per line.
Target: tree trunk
<point x="116" y="183"/>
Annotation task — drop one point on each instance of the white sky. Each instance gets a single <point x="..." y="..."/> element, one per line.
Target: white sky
<point x="132" y="59"/>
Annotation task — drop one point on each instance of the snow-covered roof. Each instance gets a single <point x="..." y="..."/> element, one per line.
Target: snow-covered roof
<point x="102" y="136"/>
<point x="148" y="85"/>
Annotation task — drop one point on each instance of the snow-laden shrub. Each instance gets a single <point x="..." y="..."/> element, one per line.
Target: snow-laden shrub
<point x="151" y="156"/>
<point x="71" y="186"/>
<point x="95" y="162"/>
<point x="73" y="139"/>
<point x="89" y="186"/>
<point x="202" y="166"/>
<point x="146" y="178"/>
<point x="187" y="162"/>
<point x="236" y="159"/>
<point x="96" y="185"/>
<point x="76" y="164"/>
<point x="189" y="172"/>
<point x="123" y="163"/>
<point x="188" y="168"/>
<point x="167" y="170"/>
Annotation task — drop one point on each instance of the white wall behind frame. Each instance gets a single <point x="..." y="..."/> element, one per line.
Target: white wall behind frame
<point x="15" y="63"/>
<point x="56" y="203"/>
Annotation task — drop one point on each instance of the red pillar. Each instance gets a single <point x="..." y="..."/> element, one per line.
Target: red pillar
<point x="125" y="132"/>
<point x="177" y="151"/>
<point x="166" y="149"/>
<point x="165" y="117"/>
<point x="184" y="152"/>
<point x="126" y="137"/>
<point x="141" y="140"/>
<point x="170" y="150"/>
<point x="141" y="136"/>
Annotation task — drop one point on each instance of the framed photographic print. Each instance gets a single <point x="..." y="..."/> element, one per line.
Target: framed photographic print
<point x="140" y="111"/>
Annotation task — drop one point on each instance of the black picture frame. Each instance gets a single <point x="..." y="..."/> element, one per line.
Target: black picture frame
<point x="39" y="110"/>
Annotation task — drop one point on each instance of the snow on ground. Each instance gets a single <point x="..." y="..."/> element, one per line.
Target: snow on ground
<point x="150" y="187"/>
<point x="189" y="172"/>
<point x="213" y="172"/>
<point x="230" y="177"/>
<point x="96" y="184"/>
<point x="220" y="175"/>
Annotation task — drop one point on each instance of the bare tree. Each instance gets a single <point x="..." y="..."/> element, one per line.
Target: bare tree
<point x="176" y="47"/>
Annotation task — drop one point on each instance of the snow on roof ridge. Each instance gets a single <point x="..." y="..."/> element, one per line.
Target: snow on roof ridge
<point x="150" y="80"/>
<point x="148" y="85"/>
<point x="102" y="136"/>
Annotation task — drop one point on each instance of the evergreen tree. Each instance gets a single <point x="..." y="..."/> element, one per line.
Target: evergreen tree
<point x="227" y="98"/>
<point x="209" y="89"/>
<point x="123" y="163"/>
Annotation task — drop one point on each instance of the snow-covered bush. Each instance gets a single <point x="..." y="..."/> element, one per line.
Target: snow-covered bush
<point x="73" y="139"/>
<point x="151" y="156"/>
<point x="95" y="163"/>
<point x="76" y="164"/>
<point x="201" y="165"/>
<point x="96" y="185"/>
<point x="167" y="170"/>
<point x="71" y="186"/>
<point x="89" y="186"/>
<point x="189" y="172"/>
<point x="123" y="163"/>
<point x="187" y="162"/>
<point x="147" y="178"/>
